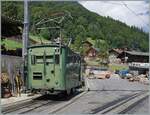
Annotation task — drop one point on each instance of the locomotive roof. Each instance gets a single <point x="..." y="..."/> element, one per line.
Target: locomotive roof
<point x="46" y="45"/>
<point x="52" y="45"/>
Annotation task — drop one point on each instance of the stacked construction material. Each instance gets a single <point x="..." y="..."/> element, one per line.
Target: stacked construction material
<point x="140" y="78"/>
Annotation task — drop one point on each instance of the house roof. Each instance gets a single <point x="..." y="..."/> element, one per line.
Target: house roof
<point x="87" y="42"/>
<point x="119" y="51"/>
<point x="138" y="53"/>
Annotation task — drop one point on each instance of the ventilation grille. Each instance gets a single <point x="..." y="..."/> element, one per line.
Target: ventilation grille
<point x="37" y="75"/>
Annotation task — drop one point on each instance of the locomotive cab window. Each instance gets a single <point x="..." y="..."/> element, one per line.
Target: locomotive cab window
<point x="50" y="59"/>
<point x="33" y="59"/>
<point x="39" y="59"/>
<point x="56" y="59"/>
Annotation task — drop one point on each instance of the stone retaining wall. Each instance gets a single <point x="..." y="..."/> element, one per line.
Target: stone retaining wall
<point x="10" y="65"/>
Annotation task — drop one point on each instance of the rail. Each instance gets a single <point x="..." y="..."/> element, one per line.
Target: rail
<point x="121" y="105"/>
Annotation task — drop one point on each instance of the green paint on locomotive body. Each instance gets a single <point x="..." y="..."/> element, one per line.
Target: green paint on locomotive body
<point x="52" y="68"/>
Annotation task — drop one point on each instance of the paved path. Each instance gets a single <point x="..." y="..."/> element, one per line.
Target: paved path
<point x="11" y="100"/>
<point x="115" y="83"/>
<point x="104" y="91"/>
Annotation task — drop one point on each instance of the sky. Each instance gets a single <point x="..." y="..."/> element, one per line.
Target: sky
<point x="133" y="13"/>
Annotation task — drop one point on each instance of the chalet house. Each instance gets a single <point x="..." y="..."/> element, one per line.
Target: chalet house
<point x="90" y="51"/>
<point x="115" y="51"/>
<point x="134" y="56"/>
<point x="138" y="61"/>
<point x="113" y="54"/>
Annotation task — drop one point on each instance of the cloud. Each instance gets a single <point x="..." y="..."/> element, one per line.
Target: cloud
<point x="143" y="13"/>
<point x="133" y="13"/>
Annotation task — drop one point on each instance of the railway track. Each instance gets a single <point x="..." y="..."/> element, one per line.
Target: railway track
<point x="40" y="103"/>
<point x="25" y="107"/>
<point x="121" y="105"/>
<point x="53" y="106"/>
<point x="67" y="104"/>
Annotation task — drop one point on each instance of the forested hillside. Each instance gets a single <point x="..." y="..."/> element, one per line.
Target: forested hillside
<point x="83" y="24"/>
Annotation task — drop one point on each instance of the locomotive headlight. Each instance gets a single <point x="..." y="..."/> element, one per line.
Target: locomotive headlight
<point x="56" y="50"/>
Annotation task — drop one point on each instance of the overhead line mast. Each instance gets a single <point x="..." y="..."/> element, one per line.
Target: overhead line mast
<point x="25" y="29"/>
<point x="25" y="40"/>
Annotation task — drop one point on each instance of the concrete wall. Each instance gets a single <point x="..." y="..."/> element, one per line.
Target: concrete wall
<point x="11" y="64"/>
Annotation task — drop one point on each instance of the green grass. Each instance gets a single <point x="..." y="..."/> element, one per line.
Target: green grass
<point x="37" y="39"/>
<point x="93" y="62"/>
<point x="117" y="67"/>
<point x="11" y="44"/>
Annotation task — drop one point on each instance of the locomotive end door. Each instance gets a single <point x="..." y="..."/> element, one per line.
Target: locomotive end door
<point x="49" y="70"/>
<point x="51" y="61"/>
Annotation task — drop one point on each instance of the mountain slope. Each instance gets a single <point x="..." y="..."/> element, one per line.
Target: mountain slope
<point x="83" y="24"/>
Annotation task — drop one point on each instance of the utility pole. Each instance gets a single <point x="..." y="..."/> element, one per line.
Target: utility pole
<point x="25" y="39"/>
<point x="26" y="29"/>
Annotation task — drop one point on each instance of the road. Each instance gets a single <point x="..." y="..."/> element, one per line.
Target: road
<point x="105" y="91"/>
<point x="103" y="95"/>
<point x="115" y="83"/>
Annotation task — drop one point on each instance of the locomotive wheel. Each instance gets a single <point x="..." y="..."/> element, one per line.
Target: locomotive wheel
<point x="73" y="90"/>
<point x="66" y="92"/>
<point x="33" y="91"/>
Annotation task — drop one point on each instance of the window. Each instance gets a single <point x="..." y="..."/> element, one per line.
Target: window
<point x="56" y="59"/>
<point x="33" y="59"/>
<point x="39" y="59"/>
<point x="48" y="59"/>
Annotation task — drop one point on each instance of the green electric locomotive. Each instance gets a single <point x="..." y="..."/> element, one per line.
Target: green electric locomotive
<point x="53" y="68"/>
